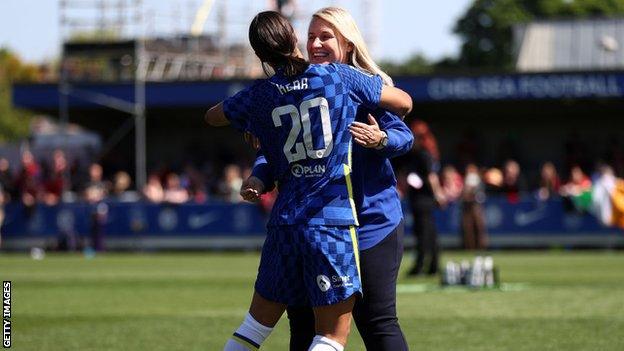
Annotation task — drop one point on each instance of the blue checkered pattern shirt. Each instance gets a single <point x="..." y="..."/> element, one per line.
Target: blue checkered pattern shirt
<point x="302" y="124"/>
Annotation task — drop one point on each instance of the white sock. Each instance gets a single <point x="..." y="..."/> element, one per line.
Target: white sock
<point x="232" y="345"/>
<point x="249" y="336"/>
<point x="321" y="343"/>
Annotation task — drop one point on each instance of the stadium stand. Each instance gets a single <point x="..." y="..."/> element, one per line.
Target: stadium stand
<point x="537" y="116"/>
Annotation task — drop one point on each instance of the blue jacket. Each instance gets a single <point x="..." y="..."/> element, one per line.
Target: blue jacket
<point x="374" y="184"/>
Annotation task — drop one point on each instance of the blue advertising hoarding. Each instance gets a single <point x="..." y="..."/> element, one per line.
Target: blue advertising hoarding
<point x="127" y="219"/>
<point x="243" y="220"/>
<point x="547" y="86"/>
<point x="515" y="87"/>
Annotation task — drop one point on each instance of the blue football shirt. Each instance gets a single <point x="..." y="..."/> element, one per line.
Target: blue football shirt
<point x="302" y="124"/>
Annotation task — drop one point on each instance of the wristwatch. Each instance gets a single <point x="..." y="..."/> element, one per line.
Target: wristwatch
<point x="383" y="142"/>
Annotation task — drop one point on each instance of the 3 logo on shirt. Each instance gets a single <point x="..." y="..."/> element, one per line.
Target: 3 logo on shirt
<point x="307" y="171"/>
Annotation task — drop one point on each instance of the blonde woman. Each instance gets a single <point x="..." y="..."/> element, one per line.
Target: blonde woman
<point x="333" y="36"/>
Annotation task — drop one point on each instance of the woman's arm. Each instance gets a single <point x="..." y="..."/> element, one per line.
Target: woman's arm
<point x="436" y="187"/>
<point x="371" y="91"/>
<point x="399" y="138"/>
<point x="262" y="171"/>
<point x="216" y="117"/>
<point x="395" y="100"/>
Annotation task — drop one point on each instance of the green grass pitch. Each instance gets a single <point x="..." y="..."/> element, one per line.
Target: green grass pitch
<point x="193" y="301"/>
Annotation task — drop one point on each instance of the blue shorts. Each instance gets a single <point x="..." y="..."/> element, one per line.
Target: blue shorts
<point x="304" y="265"/>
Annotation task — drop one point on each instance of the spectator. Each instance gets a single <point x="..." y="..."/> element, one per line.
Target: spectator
<point x="493" y="179"/>
<point x="174" y="192"/>
<point x="473" y="226"/>
<point x="514" y="185"/>
<point x="6" y="189"/>
<point x="577" y="184"/>
<point x="229" y="187"/>
<point x="549" y="183"/>
<point x="267" y="201"/>
<point x="28" y="182"/>
<point x="95" y="192"/>
<point x="121" y="188"/>
<point x="153" y="190"/>
<point x="425" y="194"/>
<point x="121" y="183"/>
<point x="452" y="184"/>
<point x="194" y="182"/>
<point x="603" y="188"/>
<point x="99" y="216"/>
<point x="577" y="191"/>
<point x="96" y="189"/>
<point x="6" y="179"/>
<point x="2" y="202"/>
<point x="55" y="182"/>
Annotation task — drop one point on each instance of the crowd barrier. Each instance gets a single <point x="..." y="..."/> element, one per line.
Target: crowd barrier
<point x="220" y="225"/>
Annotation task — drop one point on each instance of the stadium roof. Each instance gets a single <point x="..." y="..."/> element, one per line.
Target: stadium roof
<point x="570" y="45"/>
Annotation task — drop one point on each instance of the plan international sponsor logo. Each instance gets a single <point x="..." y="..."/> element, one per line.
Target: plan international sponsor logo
<point x="307" y="171"/>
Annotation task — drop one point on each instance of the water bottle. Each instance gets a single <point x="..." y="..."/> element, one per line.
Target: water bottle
<point x="476" y="276"/>
<point x="464" y="273"/>
<point x="488" y="270"/>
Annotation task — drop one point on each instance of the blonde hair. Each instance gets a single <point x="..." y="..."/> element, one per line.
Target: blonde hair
<point x="344" y="24"/>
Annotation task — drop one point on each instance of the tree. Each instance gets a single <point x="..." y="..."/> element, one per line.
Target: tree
<point x="14" y="124"/>
<point x="416" y="64"/>
<point x="486" y="27"/>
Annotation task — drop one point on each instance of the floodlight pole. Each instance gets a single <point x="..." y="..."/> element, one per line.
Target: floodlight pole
<point x="64" y="114"/>
<point x="139" y="115"/>
<point x="135" y="108"/>
<point x="63" y="97"/>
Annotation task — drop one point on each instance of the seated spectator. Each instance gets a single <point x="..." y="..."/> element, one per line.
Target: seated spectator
<point x="549" y="183"/>
<point x="153" y="190"/>
<point x="174" y="192"/>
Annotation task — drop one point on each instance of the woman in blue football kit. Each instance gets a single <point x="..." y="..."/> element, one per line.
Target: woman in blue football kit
<point x="333" y="37"/>
<point x="301" y="116"/>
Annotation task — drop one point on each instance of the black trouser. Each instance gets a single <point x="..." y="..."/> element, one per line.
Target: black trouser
<point x="374" y="314"/>
<point x="426" y="236"/>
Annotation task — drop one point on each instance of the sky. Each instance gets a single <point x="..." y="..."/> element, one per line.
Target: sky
<point x="31" y="27"/>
